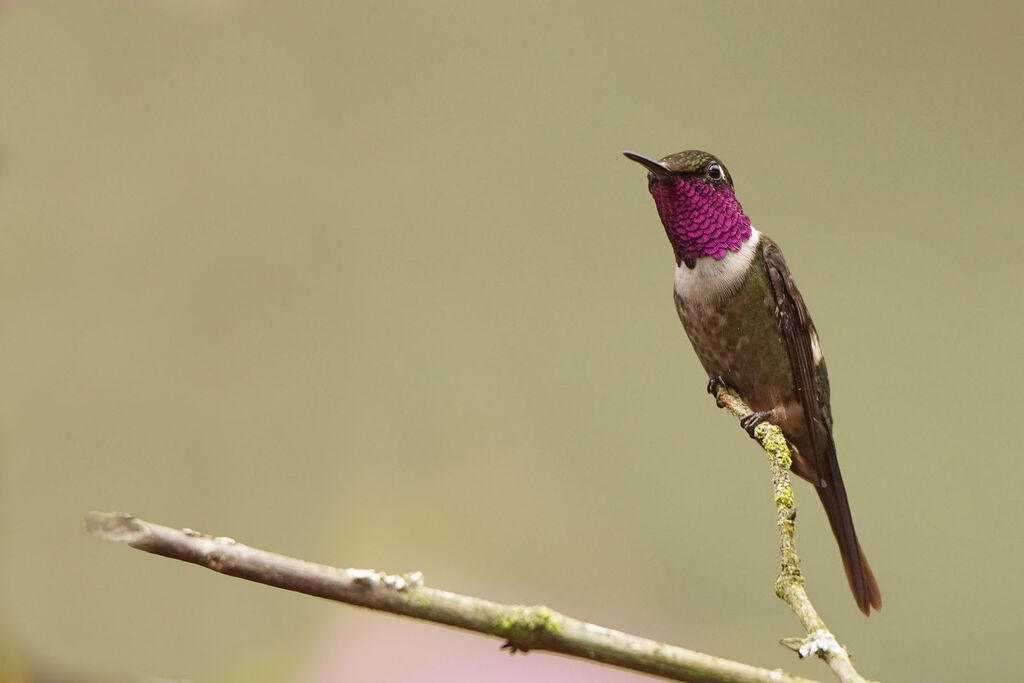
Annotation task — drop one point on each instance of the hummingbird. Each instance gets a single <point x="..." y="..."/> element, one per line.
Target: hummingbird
<point x="752" y="332"/>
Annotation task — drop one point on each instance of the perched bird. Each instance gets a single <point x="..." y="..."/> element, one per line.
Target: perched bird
<point x="752" y="332"/>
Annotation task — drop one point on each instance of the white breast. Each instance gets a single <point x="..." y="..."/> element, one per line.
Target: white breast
<point x="713" y="279"/>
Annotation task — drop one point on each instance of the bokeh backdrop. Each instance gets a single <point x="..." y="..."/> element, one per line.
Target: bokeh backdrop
<point x="370" y="283"/>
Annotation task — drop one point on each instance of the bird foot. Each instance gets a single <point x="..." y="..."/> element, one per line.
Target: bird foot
<point x="716" y="385"/>
<point x="750" y="422"/>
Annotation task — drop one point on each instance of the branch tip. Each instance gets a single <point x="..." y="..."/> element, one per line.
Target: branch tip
<point x="119" y="527"/>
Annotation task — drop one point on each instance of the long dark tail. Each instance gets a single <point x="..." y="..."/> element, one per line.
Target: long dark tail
<point x="858" y="571"/>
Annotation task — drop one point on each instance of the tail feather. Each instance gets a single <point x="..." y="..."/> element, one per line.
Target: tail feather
<point x="858" y="571"/>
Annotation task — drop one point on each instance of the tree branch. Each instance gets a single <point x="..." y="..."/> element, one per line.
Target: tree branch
<point x="790" y="584"/>
<point x="523" y="628"/>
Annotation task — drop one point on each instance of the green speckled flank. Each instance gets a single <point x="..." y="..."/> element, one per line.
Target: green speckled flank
<point x="738" y="339"/>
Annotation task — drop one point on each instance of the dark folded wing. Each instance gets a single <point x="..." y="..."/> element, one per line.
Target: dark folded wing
<point x="808" y="367"/>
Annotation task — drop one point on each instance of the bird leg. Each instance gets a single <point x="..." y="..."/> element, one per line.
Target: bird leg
<point x="750" y="422"/>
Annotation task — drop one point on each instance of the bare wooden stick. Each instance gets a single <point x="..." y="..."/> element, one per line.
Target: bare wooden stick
<point x="523" y="628"/>
<point x="790" y="584"/>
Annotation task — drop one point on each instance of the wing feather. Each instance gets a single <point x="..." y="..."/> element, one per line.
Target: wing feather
<point x="809" y="374"/>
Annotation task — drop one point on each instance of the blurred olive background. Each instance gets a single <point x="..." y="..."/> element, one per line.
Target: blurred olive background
<point x="371" y="284"/>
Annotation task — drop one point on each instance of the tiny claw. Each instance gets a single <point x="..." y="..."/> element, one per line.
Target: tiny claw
<point x="715" y="385"/>
<point x="750" y="422"/>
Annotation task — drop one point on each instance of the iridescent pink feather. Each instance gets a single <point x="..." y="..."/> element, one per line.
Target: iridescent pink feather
<point x="700" y="218"/>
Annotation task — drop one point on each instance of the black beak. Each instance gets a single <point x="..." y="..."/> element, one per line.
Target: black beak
<point x="655" y="167"/>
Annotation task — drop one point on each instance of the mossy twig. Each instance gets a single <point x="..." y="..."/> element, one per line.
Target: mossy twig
<point x="790" y="584"/>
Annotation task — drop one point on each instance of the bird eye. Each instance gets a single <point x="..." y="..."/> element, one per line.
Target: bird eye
<point x="715" y="171"/>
